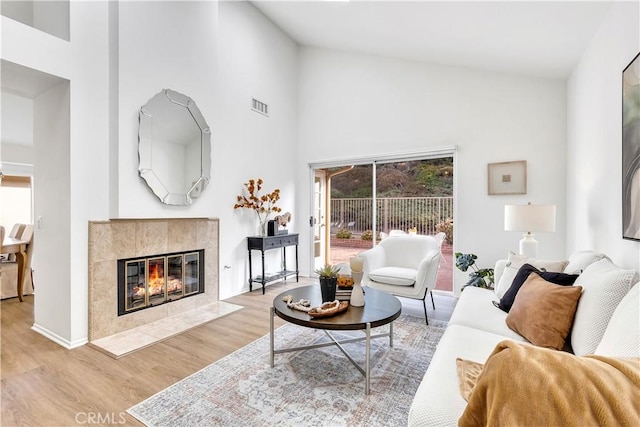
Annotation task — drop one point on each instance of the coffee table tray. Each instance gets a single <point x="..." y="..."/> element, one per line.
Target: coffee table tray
<point x="328" y="313"/>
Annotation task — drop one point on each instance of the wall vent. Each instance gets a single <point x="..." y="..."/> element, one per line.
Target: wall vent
<point x="259" y="107"/>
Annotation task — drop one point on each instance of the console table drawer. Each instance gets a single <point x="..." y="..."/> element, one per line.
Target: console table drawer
<point x="272" y="242"/>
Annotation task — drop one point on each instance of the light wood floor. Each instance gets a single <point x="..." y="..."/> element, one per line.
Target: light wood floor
<point x="43" y="384"/>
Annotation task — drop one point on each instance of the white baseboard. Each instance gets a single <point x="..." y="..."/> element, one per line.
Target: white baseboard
<point x="58" y="339"/>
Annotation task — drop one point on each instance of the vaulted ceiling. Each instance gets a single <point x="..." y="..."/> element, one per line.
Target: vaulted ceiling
<point x="538" y="38"/>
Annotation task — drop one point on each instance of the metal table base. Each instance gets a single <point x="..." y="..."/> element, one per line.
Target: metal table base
<point x="366" y="371"/>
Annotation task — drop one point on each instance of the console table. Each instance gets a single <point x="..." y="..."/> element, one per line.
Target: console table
<point x="264" y="243"/>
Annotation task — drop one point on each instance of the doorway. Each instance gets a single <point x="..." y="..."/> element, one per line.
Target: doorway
<point x="365" y="203"/>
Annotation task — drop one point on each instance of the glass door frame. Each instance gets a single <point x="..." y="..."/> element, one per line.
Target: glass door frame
<point x="433" y="153"/>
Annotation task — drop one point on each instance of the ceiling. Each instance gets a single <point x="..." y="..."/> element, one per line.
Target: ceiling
<point x="536" y="38"/>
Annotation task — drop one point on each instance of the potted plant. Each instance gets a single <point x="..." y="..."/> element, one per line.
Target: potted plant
<point x="479" y="277"/>
<point x="328" y="281"/>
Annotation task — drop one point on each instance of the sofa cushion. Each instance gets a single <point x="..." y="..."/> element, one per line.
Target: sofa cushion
<point x="622" y="336"/>
<point x="475" y="309"/>
<point x="604" y="285"/>
<point x="438" y="401"/>
<point x="398" y="276"/>
<point x="580" y="260"/>
<point x="543" y="312"/>
<point x="557" y="278"/>
<point x="513" y="266"/>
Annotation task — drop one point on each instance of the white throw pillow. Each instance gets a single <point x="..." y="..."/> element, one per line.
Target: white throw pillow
<point x="603" y="287"/>
<point x="516" y="261"/>
<point x="622" y="336"/>
<point x="580" y="260"/>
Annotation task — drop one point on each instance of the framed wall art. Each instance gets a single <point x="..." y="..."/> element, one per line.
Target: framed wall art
<point x="507" y="178"/>
<point x="631" y="150"/>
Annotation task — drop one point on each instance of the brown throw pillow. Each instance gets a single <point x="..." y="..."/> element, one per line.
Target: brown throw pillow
<point x="543" y="312"/>
<point x="468" y="373"/>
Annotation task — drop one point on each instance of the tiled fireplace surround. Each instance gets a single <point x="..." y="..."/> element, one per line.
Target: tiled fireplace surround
<point x="128" y="238"/>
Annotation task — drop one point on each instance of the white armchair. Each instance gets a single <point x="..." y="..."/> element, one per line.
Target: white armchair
<point x="406" y="266"/>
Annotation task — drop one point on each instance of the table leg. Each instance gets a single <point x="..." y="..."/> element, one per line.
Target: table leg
<point x="367" y="362"/>
<point x="297" y="271"/>
<point x="263" y="278"/>
<point x="21" y="257"/>
<point x="271" y="337"/>
<point x="250" y="273"/>
<point x="391" y="334"/>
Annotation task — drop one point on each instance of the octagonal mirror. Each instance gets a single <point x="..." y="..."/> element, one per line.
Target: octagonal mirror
<point x="174" y="148"/>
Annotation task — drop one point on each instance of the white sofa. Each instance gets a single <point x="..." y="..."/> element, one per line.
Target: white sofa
<point x="606" y="322"/>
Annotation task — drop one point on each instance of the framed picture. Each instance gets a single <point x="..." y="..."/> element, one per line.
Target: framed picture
<point x="631" y="150"/>
<point x="507" y="177"/>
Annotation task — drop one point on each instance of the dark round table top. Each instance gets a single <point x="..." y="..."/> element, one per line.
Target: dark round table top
<point x="379" y="309"/>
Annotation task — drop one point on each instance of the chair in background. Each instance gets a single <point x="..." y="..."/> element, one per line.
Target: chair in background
<point x="9" y="269"/>
<point x="27" y="235"/>
<point x="16" y="232"/>
<point x="405" y="266"/>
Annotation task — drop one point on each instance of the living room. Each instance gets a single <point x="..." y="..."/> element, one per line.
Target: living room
<point x="325" y="104"/>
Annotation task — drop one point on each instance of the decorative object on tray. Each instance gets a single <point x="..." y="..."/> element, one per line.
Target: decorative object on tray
<point x="328" y="281"/>
<point x="302" y="305"/>
<point x="345" y="282"/>
<point x="345" y="286"/>
<point x="263" y="204"/>
<point x="328" y="309"/>
<point x="357" y="294"/>
<point x="278" y="225"/>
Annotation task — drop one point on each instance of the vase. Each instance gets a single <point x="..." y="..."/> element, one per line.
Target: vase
<point x="262" y="226"/>
<point x="328" y="288"/>
<point x="357" y="294"/>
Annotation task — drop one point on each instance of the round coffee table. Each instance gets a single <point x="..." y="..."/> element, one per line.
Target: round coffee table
<point x="380" y="309"/>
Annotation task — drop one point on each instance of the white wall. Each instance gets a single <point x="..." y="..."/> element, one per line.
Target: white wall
<point x="257" y="60"/>
<point x="45" y="15"/>
<point x="221" y="55"/>
<point x="52" y="202"/>
<point x="163" y="45"/>
<point x="594" y="139"/>
<point x="359" y="105"/>
<point x="89" y="148"/>
<point x="16" y="143"/>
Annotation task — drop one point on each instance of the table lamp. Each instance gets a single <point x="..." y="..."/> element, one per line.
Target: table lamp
<point x="529" y="218"/>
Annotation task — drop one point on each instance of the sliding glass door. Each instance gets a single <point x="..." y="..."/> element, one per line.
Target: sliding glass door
<point x="372" y="201"/>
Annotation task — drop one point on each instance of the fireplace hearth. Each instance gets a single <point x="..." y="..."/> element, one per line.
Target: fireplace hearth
<point x="145" y="282"/>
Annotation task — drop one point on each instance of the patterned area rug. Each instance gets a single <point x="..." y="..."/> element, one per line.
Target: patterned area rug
<point x="317" y="387"/>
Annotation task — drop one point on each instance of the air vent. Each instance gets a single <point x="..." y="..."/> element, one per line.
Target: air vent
<point x="259" y="107"/>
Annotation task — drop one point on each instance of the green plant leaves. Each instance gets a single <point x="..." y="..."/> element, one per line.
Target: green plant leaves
<point x="464" y="261"/>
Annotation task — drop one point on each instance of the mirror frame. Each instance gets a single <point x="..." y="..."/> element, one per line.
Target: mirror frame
<point x="146" y="144"/>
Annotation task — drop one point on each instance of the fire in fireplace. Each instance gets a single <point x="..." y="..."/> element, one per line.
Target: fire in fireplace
<point x="149" y="281"/>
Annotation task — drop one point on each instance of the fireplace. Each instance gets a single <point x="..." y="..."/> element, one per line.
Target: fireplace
<point x="145" y="282"/>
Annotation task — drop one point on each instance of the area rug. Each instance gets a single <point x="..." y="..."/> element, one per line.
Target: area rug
<point x="317" y="387"/>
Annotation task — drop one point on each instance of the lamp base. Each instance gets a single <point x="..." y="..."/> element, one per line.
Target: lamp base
<point x="529" y="246"/>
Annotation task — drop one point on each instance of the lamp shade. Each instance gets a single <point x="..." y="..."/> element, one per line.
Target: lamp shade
<point x="530" y="218"/>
